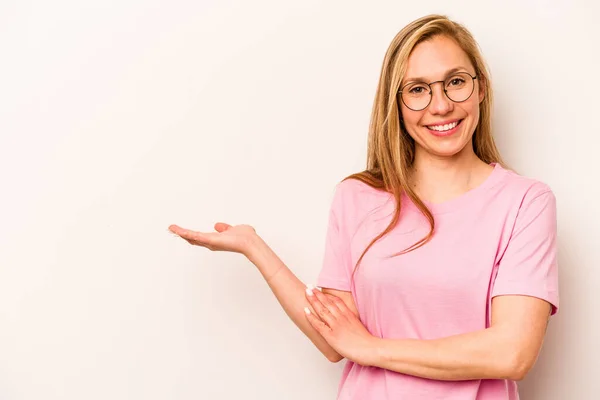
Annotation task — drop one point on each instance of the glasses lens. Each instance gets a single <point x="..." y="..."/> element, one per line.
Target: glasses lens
<point x="459" y="87"/>
<point x="416" y="95"/>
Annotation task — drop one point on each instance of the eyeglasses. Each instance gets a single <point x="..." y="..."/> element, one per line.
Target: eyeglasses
<point x="458" y="88"/>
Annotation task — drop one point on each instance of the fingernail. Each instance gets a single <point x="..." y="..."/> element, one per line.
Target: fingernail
<point x="306" y="310"/>
<point x="310" y="286"/>
<point x="309" y="291"/>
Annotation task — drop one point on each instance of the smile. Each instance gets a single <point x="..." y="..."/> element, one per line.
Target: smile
<point x="444" y="129"/>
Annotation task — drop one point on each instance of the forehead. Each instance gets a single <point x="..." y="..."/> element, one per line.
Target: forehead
<point x="431" y="59"/>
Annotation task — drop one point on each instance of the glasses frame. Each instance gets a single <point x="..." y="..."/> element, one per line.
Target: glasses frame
<point x="473" y="77"/>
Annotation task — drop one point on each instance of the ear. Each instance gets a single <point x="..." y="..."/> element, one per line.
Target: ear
<point x="482" y="83"/>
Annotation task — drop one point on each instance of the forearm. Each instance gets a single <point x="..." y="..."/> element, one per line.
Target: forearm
<point x="289" y="291"/>
<point x="481" y="354"/>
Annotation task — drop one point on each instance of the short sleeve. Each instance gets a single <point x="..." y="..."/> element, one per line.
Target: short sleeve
<point x="529" y="263"/>
<point x="336" y="268"/>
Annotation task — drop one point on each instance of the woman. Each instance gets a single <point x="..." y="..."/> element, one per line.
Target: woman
<point x="440" y="271"/>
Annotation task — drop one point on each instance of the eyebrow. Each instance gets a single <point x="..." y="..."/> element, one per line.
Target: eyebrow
<point x="420" y="79"/>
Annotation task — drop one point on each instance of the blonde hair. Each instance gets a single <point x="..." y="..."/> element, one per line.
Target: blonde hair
<point x="391" y="149"/>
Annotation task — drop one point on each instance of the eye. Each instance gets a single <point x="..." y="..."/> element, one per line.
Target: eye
<point x="456" y="81"/>
<point x="418" y="89"/>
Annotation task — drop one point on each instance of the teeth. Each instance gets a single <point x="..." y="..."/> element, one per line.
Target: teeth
<point x="442" y="128"/>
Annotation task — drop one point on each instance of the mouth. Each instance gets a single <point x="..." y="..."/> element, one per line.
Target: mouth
<point x="445" y="129"/>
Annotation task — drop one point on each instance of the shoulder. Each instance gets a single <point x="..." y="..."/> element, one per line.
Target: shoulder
<point x="356" y="194"/>
<point x="355" y="186"/>
<point x="355" y="201"/>
<point x="521" y="188"/>
<point x="518" y="193"/>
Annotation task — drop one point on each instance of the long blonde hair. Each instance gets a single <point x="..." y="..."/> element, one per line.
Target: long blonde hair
<point x="391" y="149"/>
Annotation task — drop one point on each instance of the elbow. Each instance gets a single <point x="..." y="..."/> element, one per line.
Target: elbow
<point x="334" y="357"/>
<point x="517" y="368"/>
<point x="517" y="373"/>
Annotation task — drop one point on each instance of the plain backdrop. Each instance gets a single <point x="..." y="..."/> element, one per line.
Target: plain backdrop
<point x="119" y="118"/>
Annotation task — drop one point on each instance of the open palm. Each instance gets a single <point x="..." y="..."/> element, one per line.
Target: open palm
<point x="226" y="238"/>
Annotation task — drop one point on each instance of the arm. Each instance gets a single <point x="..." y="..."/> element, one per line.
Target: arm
<point x="288" y="289"/>
<point x="506" y="350"/>
<point x="525" y="287"/>
<point x="290" y="292"/>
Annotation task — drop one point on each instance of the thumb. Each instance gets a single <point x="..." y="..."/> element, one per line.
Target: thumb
<point x="221" y="226"/>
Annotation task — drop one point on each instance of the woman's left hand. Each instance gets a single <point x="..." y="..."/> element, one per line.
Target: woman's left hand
<point x="340" y="327"/>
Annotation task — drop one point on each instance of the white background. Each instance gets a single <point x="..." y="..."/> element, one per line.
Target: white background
<point x="119" y="118"/>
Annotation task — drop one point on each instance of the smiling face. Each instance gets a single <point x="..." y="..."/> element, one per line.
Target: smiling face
<point x="444" y="128"/>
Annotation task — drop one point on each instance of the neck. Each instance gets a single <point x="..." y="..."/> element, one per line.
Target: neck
<point x="437" y="179"/>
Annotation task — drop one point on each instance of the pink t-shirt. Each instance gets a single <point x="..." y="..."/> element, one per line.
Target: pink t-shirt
<point x="497" y="239"/>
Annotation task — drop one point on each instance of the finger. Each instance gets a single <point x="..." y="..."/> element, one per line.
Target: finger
<point x="340" y="304"/>
<point x="195" y="243"/>
<point x="173" y="229"/>
<point x="178" y="230"/>
<point x="316" y="323"/>
<point x="221" y="226"/>
<point x="193" y="237"/>
<point x="321" y="309"/>
<point x="328" y="301"/>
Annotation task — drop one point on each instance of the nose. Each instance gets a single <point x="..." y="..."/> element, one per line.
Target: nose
<point x="440" y="103"/>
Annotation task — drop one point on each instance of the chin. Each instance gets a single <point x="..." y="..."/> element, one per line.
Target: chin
<point x="445" y="153"/>
<point x="447" y="149"/>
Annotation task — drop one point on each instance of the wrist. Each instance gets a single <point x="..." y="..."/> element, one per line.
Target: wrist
<point x="254" y="247"/>
<point x="374" y="356"/>
<point x="264" y="259"/>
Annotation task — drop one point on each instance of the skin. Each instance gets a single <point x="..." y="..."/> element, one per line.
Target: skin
<point x="449" y="161"/>
<point x="445" y="167"/>
<point x="430" y="61"/>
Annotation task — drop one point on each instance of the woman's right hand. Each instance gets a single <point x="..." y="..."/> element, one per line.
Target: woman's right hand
<point x="236" y="239"/>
